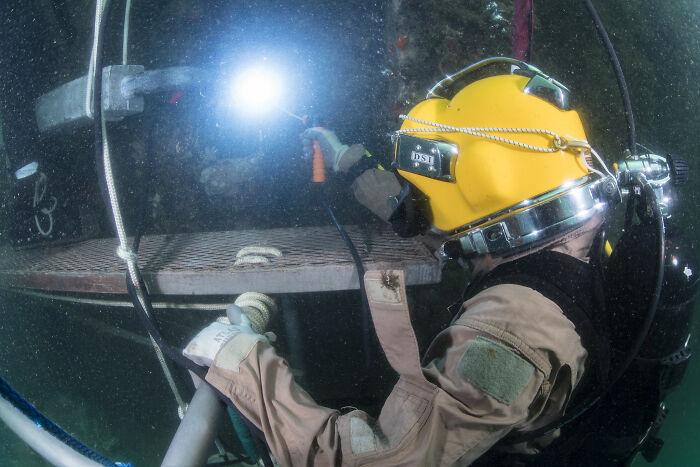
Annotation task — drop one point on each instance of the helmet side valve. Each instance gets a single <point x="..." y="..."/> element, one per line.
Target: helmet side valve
<point x="659" y="172"/>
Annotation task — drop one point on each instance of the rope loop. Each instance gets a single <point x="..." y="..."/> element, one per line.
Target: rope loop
<point x="256" y="255"/>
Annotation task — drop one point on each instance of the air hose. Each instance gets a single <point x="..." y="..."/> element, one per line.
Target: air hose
<point x="319" y="178"/>
<point x="243" y="434"/>
<point x="648" y="195"/>
<point x="619" y="75"/>
<point x="366" y="317"/>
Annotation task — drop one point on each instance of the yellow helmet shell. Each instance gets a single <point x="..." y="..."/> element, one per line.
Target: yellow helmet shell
<point x="490" y="176"/>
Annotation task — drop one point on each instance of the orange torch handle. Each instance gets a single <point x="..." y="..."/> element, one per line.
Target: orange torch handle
<point x="319" y="165"/>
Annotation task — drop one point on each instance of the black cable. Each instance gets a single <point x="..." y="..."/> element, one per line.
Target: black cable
<point x="151" y="325"/>
<point x="145" y="192"/>
<point x="650" y="197"/>
<point x="366" y="316"/>
<point x="621" y="83"/>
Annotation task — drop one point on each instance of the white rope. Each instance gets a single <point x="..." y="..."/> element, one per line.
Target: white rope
<point x="256" y="255"/>
<point x="41" y="185"/>
<point x="259" y="250"/>
<point x="214" y="307"/>
<point x="128" y="255"/>
<point x="181" y="409"/>
<point x="251" y="259"/>
<point x="256" y="299"/>
<point x="559" y="143"/>
<point x="258" y="308"/>
<point x="125" y="38"/>
<point x="602" y="163"/>
<point x="89" y="101"/>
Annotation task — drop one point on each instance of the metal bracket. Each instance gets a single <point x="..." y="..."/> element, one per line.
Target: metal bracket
<point x="123" y="88"/>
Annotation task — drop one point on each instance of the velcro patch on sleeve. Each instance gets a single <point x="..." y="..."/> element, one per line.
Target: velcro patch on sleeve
<point x="495" y="369"/>
<point x="236" y="350"/>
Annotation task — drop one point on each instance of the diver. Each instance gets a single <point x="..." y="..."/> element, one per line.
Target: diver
<point x="502" y="173"/>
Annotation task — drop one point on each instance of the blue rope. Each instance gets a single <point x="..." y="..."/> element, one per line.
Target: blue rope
<point x="21" y="404"/>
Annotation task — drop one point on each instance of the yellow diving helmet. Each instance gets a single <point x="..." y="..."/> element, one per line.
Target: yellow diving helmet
<point x="503" y="164"/>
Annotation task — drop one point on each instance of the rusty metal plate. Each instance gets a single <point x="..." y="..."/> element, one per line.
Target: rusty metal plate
<point x="313" y="259"/>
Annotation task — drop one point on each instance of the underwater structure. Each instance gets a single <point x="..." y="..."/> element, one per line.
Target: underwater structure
<point x="152" y="174"/>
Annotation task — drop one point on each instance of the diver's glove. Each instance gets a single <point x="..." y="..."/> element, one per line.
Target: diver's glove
<point x="203" y="348"/>
<point x="377" y="190"/>
<point x="238" y="331"/>
<point x="337" y="156"/>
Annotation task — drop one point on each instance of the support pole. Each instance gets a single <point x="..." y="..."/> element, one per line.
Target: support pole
<point x="197" y="431"/>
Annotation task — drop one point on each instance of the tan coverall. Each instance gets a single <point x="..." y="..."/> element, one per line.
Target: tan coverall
<point x="509" y="361"/>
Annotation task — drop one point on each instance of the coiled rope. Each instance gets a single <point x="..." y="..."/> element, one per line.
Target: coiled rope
<point x="258" y="308"/>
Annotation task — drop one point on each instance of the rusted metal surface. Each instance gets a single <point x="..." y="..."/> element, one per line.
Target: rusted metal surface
<point x="314" y="259"/>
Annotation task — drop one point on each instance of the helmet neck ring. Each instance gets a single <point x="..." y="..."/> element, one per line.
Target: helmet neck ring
<point x="534" y="221"/>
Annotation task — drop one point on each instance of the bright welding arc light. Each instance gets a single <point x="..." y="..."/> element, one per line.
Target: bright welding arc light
<point x="257" y="90"/>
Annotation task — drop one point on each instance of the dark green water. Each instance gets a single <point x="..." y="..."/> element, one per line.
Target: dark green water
<point x="108" y="390"/>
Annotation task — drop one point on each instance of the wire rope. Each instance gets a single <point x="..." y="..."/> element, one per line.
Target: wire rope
<point x="125" y="36"/>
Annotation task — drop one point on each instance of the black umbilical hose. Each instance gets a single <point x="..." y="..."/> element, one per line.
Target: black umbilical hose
<point x="145" y="193"/>
<point x="619" y="75"/>
<point x="530" y="30"/>
<point x="648" y="193"/>
<point x="366" y="317"/>
<point x="656" y="295"/>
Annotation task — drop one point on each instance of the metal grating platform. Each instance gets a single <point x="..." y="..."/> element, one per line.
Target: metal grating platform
<point x="314" y="259"/>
